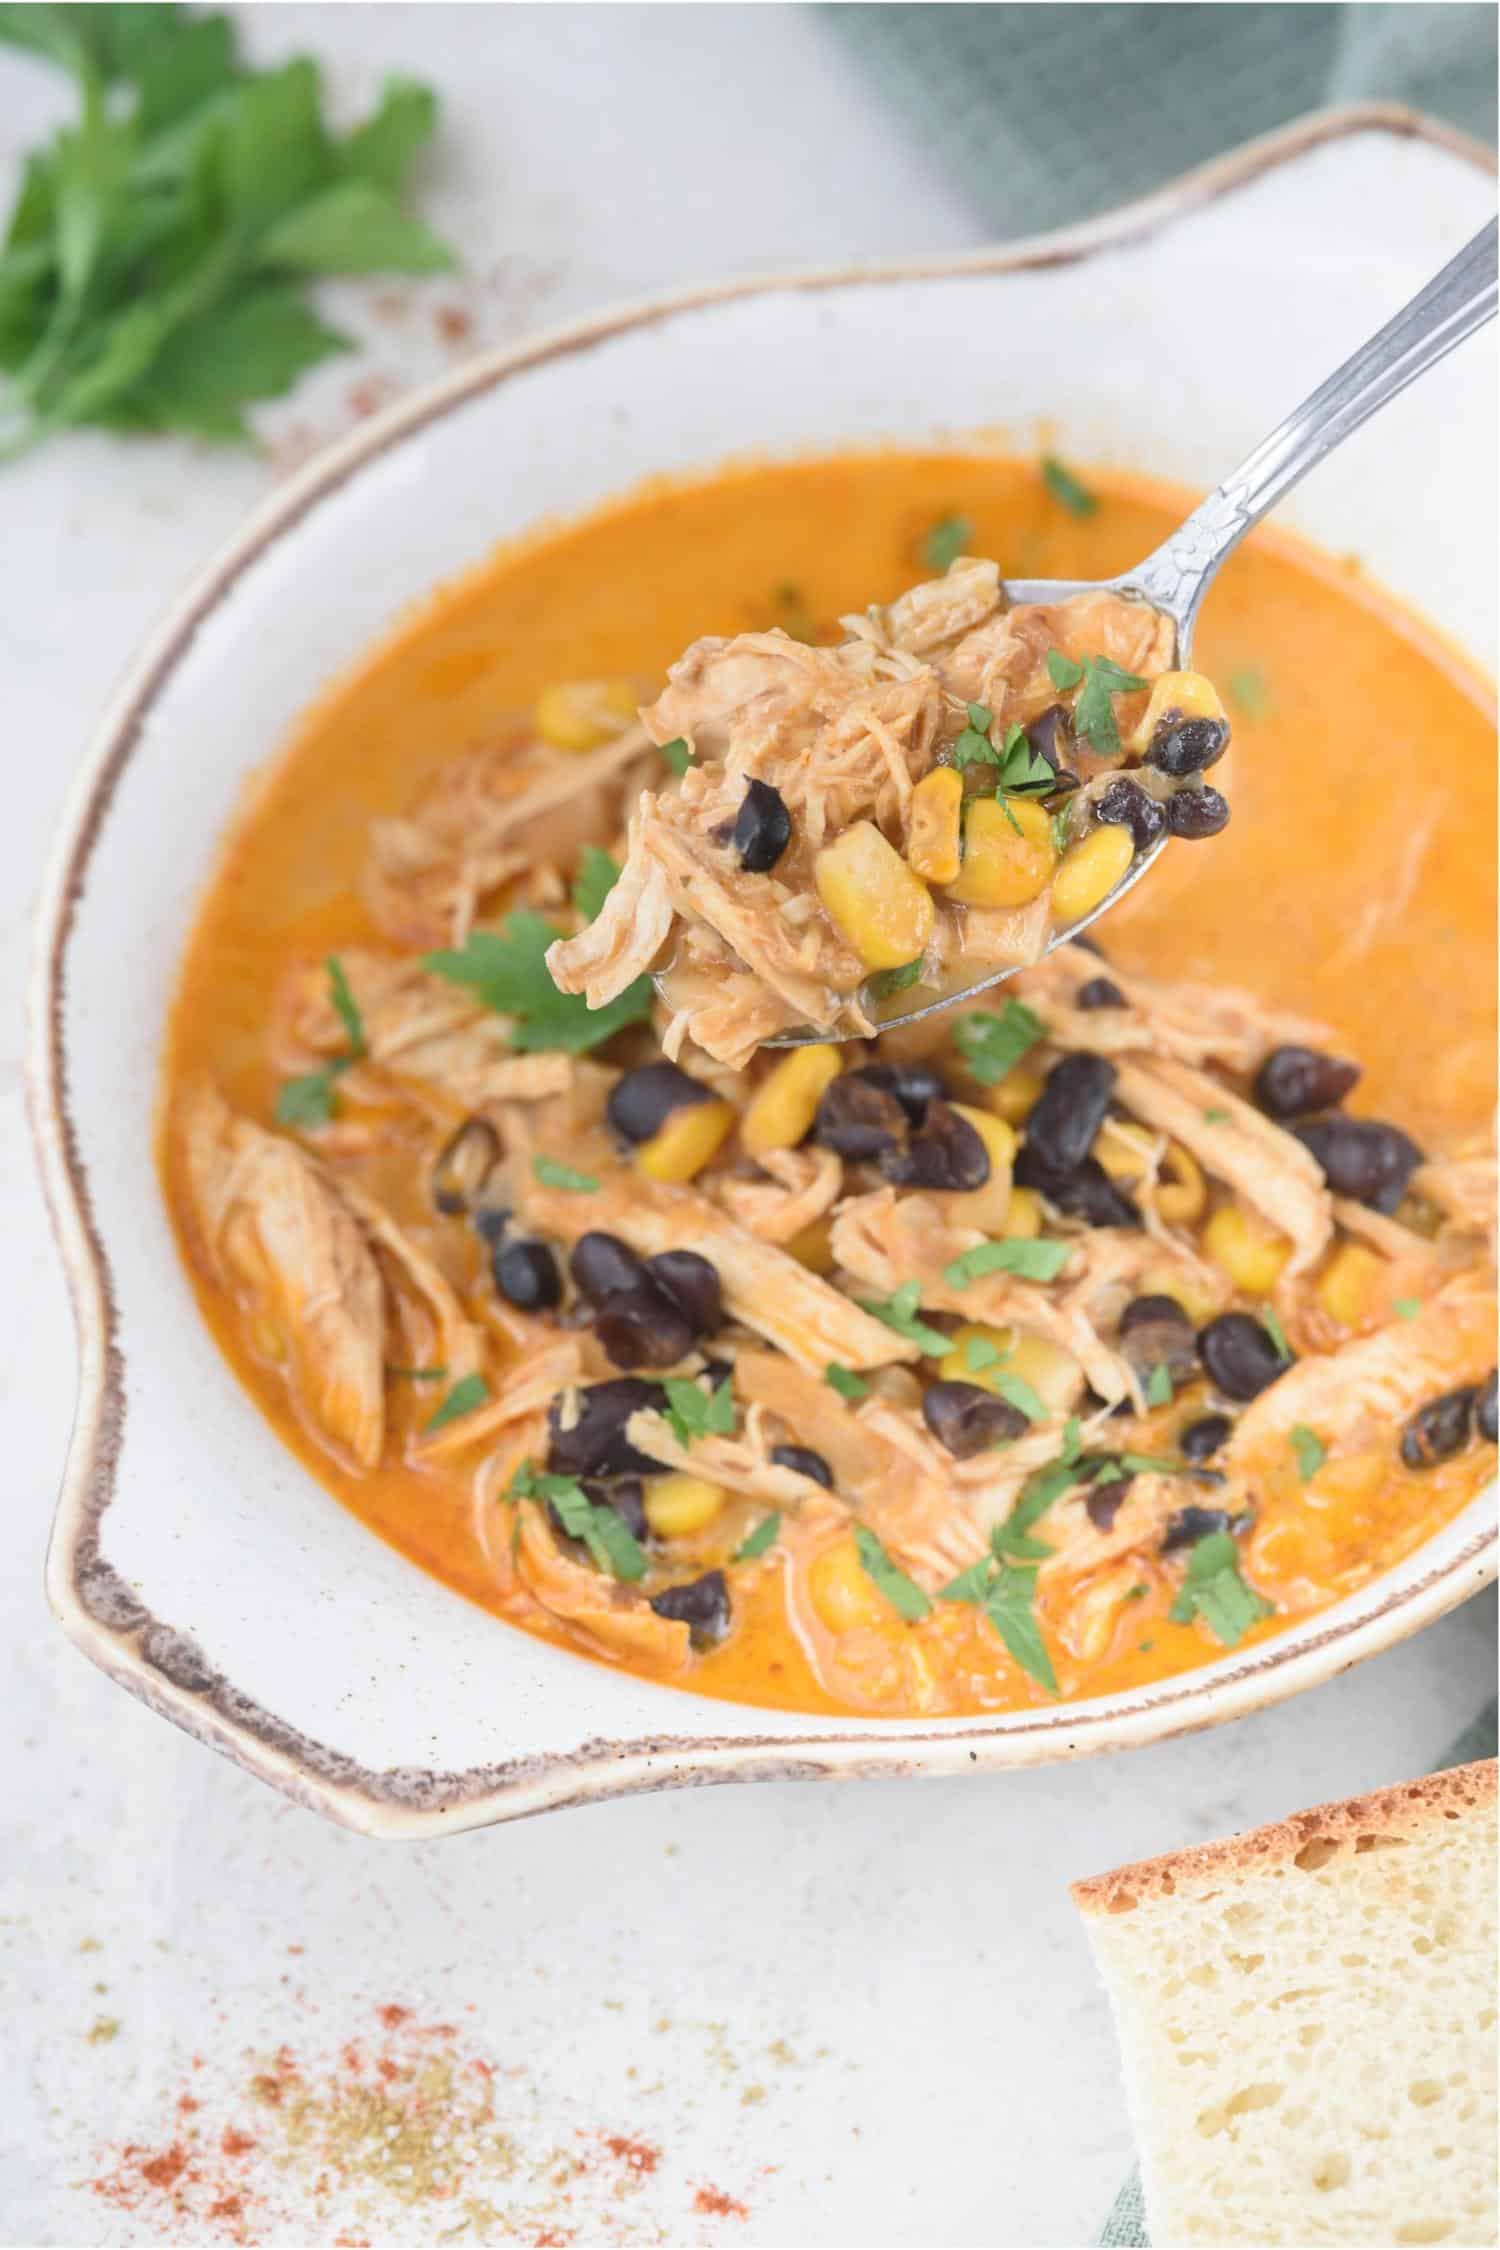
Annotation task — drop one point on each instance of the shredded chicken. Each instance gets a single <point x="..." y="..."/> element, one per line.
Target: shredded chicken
<point x="796" y="1187"/>
<point x="1189" y="1023"/>
<point x="606" y="1611"/>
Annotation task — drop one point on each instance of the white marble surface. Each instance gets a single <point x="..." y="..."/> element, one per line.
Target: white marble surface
<point x="866" y="2013"/>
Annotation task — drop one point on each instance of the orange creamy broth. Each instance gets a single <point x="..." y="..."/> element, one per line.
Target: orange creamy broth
<point x="1355" y="883"/>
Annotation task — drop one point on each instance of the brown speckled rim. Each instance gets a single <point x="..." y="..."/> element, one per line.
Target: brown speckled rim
<point x="110" y="1622"/>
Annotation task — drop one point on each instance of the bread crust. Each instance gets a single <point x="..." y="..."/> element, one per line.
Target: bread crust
<point x="1407" y="1809"/>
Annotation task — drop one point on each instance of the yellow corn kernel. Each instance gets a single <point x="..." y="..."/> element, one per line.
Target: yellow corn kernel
<point x="897" y="1386"/>
<point x="690" y="1136"/>
<point x="986" y="1207"/>
<point x="813" y="1247"/>
<point x="679" y="1504"/>
<point x="842" y="1591"/>
<point x="784" y="1105"/>
<point x="934" y="847"/>
<point x="1124" y="1149"/>
<point x="580" y="714"/>
<point x="1023" y="1214"/>
<point x="1243" y="1246"/>
<point x="1017" y="1094"/>
<point x="1008" y="853"/>
<point x="1051" y="1372"/>
<point x="1090" y="871"/>
<point x="1181" y="1190"/>
<point x="874" y="899"/>
<point x="1347" y="1284"/>
<point x="1189" y="694"/>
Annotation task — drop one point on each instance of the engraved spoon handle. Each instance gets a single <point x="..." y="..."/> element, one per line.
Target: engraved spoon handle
<point x="1454" y="303"/>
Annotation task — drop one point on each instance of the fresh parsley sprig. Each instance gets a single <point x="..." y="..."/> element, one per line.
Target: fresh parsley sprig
<point x="903" y="1593"/>
<point x="507" y="971"/>
<point x="694" y="1412"/>
<point x="991" y="1045"/>
<point x="1029" y="1258"/>
<point x="609" y="1540"/>
<point x="1214" y="1590"/>
<point x="899" y="1312"/>
<point x="1098" y="679"/>
<point x="311" y="1100"/>
<point x="945" y="541"/>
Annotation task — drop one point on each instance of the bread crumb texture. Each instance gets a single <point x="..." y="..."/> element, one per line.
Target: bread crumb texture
<point x="1307" y="2015"/>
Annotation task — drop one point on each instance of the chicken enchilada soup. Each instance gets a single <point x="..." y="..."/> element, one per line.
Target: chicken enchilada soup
<point x="1038" y="1349"/>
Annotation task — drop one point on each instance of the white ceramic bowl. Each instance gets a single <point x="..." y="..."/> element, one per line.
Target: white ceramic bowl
<point x="193" y="1557"/>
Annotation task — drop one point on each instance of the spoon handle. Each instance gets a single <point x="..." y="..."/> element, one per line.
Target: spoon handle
<point x="1455" y="302"/>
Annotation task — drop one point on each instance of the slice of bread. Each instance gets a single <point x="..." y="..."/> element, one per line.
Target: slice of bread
<point x="1307" y="2017"/>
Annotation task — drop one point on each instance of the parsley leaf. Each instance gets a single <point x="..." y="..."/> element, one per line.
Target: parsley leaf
<point x="845" y="1382"/>
<point x="1009" y="1606"/>
<point x="555" y="1175"/>
<point x="1159" y="1385"/>
<point x="904" y="1594"/>
<point x="1064" y="486"/>
<point x="508" y="972"/>
<point x="1216" y="1117"/>
<point x="1060" y="823"/>
<point x="974" y="746"/>
<point x="1017" y="1392"/>
<point x="1406" y="1308"/>
<point x="694" y="1412"/>
<point x="887" y="982"/>
<point x="596" y="877"/>
<point x="1214" y="1590"/>
<point x="1271" y="1322"/>
<point x="980" y="1353"/>
<point x="756" y="1542"/>
<point x="1248" y="689"/>
<point x="1094" y="713"/>
<point x="899" y="1311"/>
<point x="676" y="754"/>
<point x="1024" y="771"/>
<point x="945" y="542"/>
<point x="1310" y="1450"/>
<point x="609" y="1540"/>
<point x="309" y="1100"/>
<point x="991" y="1045"/>
<point x="347" y="1007"/>
<point x="470" y="1391"/>
<point x="1033" y="1260"/>
<point x="1061" y="670"/>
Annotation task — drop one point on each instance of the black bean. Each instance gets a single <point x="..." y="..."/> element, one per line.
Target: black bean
<point x="1362" y="1158"/>
<point x="1239" y="1356"/>
<point x="946" y="1153"/>
<point x="1484" y="1411"/>
<point x="602" y="1264"/>
<point x="1193" y="814"/>
<point x="968" y="1419"/>
<point x="490" y="1222"/>
<point x="806" y="1463"/>
<point x="1439" y="1429"/>
<point x="1102" y="1502"/>
<point x="914" y="1085"/>
<point x="1201" y="1440"/>
<point x="1050" y="736"/>
<point x="702" y="1604"/>
<point x="1093" y="1403"/>
<point x="762" y="828"/>
<point x="1087" y="1192"/>
<point x="526" y="1273"/>
<point x="1156" y="1332"/>
<point x="1099" y="993"/>
<point x="858" y="1120"/>
<point x="693" y="1286"/>
<point x="462" y="1165"/>
<point x="1189" y="1525"/>
<point x="1125" y="804"/>
<point x="1070" y="1110"/>
<point x="1182" y="746"/>
<point x="1294" y="1081"/>
<point x="641" y="1102"/>
<point x="594" y="1442"/>
<point x="643" y="1327"/>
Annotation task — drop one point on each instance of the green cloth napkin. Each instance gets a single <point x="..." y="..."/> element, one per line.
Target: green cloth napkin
<point x="1043" y="115"/>
<point x="1127" y="2221"/>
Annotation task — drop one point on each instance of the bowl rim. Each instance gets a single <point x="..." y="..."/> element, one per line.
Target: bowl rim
<point x="165" y="1670"/>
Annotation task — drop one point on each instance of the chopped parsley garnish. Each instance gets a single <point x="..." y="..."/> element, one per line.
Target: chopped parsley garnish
<point x="1064" y="486"/>
<point x="555" y="1175"/>
<point x="508" y="972"/>
<point x="1024" y="771"/>
<point x="974" y="746"/>
<point x="676" y="754"/>
<point x="1017" y="1392"/>
<point x="1216" y="1117"/>
<point x="597" y="876"/>
<point x="694" y="1412"/>
<point x="991" y="1045"/>
<point x="791" y="613"/>
<point x="887" y="982"/>
<point x="1003" y="1585"/>
<point x="1249" y="691"/>
<point x="899" y="1311"/>
<point x="467" y="1393"/>
<point x="1214" y="1590"/>
<point x="904" y="1594"/>
<point x="1406" y="1308"/>
<point x="1159" y="1386"/>
<point x="348" y="1008"/>
<point x="1270" y="1320"/>
<point x="610" y="1542"/>
<point x="1033" y="1259"/>
<point x="757" y="1541"/>
<point x="311" y="1100"/>
<point x="946" y="541"/>
<point x="979" y="1353"/>
<point x="1060" y="823"/>
<point x="845" y="1381"/>
<point x="1310" y="1450"/>
<point x="1093" y="712"/>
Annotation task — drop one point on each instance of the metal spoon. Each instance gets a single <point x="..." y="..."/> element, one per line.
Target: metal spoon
<point x="1176" y="577"/>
